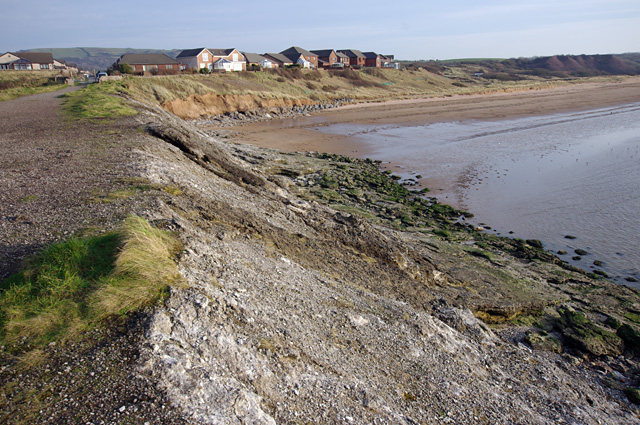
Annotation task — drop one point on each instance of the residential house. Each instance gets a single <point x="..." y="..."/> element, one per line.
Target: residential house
<point x="388" y="61"/>
<point x="303" y="57"/>
<point x="256" y="60"/>
<point x="196" y="58"/>
<point x="372" y="60"/>
<point x="279" y="60"/>
<point x="27" y="61"/>
<point x="149" y="62"/>
<point x="356" y="57"/>
<point x="227" y="60"/>
<point x="326" y="58"/>
<point x="342" y="60"/>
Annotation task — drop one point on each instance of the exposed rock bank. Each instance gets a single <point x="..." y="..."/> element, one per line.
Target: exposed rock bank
<point x="297" y="313"/>
<point x="311" y="295"/>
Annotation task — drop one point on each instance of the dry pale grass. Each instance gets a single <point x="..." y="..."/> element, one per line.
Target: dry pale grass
<point x="75" y="285"/>
<point x="144" y="269"/>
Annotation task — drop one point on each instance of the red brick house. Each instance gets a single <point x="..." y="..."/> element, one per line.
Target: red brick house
<point x="356" y="57"/>
<point x="343" y="60"/>
<point x="196" y="58"/>
<point x="303" y="57"/>
<point x="372" y="60"/>
<point x="148" y="62"/>
<point x="326" y="58"/>
<point x="227" y="60"/>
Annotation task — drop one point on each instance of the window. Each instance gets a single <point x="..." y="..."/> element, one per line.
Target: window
<point x="169" y="66"/>
<point x="205" y="57"/>
<point x="235" y="57"/>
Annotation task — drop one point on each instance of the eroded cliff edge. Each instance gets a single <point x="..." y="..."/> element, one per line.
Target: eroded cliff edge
<point x="295" y="312"/>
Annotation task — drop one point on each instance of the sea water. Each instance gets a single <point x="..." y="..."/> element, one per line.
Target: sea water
<point x="547" y="177"/>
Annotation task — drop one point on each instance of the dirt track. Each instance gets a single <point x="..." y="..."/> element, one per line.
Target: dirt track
<point x="50" y="170"/>
<point x="298" y="134"/>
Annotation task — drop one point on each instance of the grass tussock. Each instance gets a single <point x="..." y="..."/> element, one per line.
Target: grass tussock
<point x="97" y="101"/>
<point x="77" y="284"/>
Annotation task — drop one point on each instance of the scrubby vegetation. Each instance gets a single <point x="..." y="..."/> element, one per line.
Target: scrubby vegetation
<point x="23" y="83"/>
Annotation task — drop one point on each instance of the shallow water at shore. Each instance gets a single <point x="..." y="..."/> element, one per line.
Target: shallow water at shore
<point x="541" y="177"/>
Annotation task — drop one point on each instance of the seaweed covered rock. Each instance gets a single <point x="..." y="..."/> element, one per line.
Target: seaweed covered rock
<point x="544" y="342"/>
<point x="581" y="333"/>
<point x="631" y="338"/>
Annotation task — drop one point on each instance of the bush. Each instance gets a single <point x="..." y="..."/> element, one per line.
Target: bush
<point x="204" y="71"/>
<point x="125" y="68"/>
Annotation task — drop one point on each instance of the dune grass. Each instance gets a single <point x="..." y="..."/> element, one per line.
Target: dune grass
<point x="77" y="284"/>
<point x="15" y="84"/>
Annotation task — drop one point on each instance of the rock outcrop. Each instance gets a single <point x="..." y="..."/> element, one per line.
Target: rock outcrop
<point x="296" y="313"/>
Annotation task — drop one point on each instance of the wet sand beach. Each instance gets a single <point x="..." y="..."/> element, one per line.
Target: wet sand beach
<point x="302" y="134"/>
<point x="538" y="164"/>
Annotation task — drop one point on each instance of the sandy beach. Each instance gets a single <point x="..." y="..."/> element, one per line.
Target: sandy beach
<point x="302" y="134"/>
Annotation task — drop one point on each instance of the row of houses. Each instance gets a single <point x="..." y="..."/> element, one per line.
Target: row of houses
<point x="234" y="60"/>
<point x="30" y="61"/>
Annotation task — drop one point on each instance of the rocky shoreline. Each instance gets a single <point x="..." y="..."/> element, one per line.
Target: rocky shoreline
<point x="264" y="114"/>
<point x="319" y="289"/>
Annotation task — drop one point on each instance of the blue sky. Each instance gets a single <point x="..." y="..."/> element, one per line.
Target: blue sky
<point x="412" y="29"/>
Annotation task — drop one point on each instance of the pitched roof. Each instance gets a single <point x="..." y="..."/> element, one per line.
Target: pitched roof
<point x="146" y="59"/>
<point x="371" y="55"/>
<point x="254" y="57"/>
<point x="341" y="55"/>
<point x="323" y="53"/>
<point x="221" y="52"/>
<point x="352" y="53"/>
<point x="295" y="52"/>
<point x="35" y="57"/>
<point x="279" y="57"/>
<point x="190" y="52"/>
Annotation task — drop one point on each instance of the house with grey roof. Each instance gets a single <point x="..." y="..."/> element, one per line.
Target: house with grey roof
<point x="27" y="61"/>
<point x="279" y="59"/>
<point x="356" y="57"/>
<point x="196" y="58"/>
<point x="372" y="60"/>
<point x="150" y="62"/>
<point x="326" y="58"/>
<point x="256" y="60"/>
<point x="227" y="60"/>
<point x="303" y="57"/>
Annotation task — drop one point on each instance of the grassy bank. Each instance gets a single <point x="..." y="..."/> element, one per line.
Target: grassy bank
<point x="15" y="84"/>
<point x="74" y="285"/>
<point x="319" y="85"/>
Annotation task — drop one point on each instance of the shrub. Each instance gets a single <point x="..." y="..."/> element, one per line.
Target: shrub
<point x="204" y="71"/>
<point x="125" y="68"/>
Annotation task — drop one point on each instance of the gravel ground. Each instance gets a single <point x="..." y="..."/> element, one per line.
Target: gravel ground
<point x="52" y="171"/>
<point x="57" y="178"/>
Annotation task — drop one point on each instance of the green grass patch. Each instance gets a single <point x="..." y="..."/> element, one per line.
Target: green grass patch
<point x="76" y="284"/>
<point x="634" y="317"/>
<point x="98" y="101"/>
<point x="14" y="84"/>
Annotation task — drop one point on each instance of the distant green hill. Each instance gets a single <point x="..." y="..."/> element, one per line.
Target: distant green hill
<point x="98" y="58"/>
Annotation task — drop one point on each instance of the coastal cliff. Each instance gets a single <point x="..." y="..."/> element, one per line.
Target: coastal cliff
<point x="313" y="288"/>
